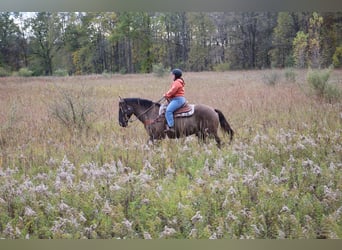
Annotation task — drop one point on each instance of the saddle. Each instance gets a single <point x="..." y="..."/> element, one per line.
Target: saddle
<point x="186" y="110"/>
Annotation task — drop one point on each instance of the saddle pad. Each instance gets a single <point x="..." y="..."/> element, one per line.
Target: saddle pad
<point x="186" y="110"/>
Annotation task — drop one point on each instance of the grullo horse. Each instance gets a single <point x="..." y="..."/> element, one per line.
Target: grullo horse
<point x="204" y="121"/>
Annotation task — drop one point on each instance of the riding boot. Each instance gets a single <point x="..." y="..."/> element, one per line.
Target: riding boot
<point x="169" y="129"/>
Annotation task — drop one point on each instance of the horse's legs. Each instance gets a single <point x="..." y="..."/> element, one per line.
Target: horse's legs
<point x="201" y="137"/>
<point x="218" y="140"/>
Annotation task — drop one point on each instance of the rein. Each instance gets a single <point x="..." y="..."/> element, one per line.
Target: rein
<point x="148" y="122"/>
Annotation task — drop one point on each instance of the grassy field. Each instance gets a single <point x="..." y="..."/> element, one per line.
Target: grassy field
<point x="87" y="177"/>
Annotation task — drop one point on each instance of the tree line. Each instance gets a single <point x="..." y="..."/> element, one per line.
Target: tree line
<point x="79" y="43"/>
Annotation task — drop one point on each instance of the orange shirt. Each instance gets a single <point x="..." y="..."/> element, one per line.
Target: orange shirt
<point x="177" y="89"/>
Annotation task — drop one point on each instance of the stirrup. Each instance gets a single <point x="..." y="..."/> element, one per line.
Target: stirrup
<point x="169" y="129"/>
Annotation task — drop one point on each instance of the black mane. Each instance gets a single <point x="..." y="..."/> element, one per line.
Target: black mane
<point x="143" y="102"/>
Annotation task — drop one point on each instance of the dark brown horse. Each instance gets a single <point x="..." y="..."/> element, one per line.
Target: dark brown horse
<point x="203" y="122"/>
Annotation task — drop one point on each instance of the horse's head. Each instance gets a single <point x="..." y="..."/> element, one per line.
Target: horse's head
<point x="125" y="112"/>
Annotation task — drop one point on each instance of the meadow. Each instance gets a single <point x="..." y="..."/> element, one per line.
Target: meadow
<point x="87" y="177"/>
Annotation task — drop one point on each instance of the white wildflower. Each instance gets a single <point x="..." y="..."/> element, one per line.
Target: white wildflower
<point x="197" y="217"/>
<point x="168" y="231"/>
<point x="81" y="217"/>
<point x="332" y="167"/>
<point x="230" y="216"/>
<point x="300" y="146"/>
<point x="180" y="206"/>
<point x="115" y="187"/>
<point x="148" y="166"/>
<point x="29" y="212"/>
<point x="329" y="194"/>
<point x="232" y="191"/>
<point x="275" y="179"/>
<point x="144" y="178"/>
<point x="213" y="236"/>
<point x="285" y="209"/>
<point x="63" y="206"/>
<point x="127" y="224"/>
<point x="281" y="234"/>
<point x="193" y="233"/>
<point x="106" y="208"/>
<point x="170" y="172"/>
<point x="41" y="189"/>
<point x="339" y="211"/>
<point x="256" y="229"/>
<point x="316" y="170"/>
<point x="9" y="230"/>
<point x="307" y="163"/>
<point x="225" y="202"/>
<point x="200" y="182"/>
<point x="292" y="159"/>
<point x="17" y="231"/>
<point x="283" y="171"/>
<point x="51" y="162"/>
<point x="120" y="166"/>
<point x="73" y="221"/>
<point x="147" y="236"/>
<point x="159" y="189"/>
<point x="145" y="201"/>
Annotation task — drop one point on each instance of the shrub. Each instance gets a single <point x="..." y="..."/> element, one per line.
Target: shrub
<point x="318" y="80"/>
<point x="4" y="72"/>
<point x="60" y="72"/>
<point x="72" y="109"/>
<point x="159" y="70"/>
<point x="332" y="93"/>
<point x="107" y="74"/>
<point x="272" y="78"/>
<point x="337" y="57"/>
<point x="25" y="72"/>
<point x="290" y="75"/>
<point x="222" y="67"/>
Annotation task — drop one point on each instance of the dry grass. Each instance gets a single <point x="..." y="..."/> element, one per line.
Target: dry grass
<point x="272" y="124"/>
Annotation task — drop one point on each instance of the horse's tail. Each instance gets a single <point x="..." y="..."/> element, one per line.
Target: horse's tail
<point x="224" y="124"/>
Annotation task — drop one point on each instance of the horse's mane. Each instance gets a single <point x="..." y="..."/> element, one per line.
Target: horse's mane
<point x="143" y="102"/>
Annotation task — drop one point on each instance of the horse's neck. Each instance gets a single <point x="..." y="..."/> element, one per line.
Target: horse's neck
<point x="143" y="114"/>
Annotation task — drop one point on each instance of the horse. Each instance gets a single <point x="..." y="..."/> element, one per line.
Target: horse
<point x="203" y="123"/>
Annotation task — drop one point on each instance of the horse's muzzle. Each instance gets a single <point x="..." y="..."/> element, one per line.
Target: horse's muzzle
<point x="123" y="124"/>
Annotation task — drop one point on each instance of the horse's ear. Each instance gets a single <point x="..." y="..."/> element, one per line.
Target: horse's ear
<point x="120" y="98"/>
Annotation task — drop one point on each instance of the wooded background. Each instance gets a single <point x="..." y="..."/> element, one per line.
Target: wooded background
<point x="77" y="43"/>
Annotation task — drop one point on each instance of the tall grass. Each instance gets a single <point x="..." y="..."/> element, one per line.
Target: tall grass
<point x="280" y="178"/>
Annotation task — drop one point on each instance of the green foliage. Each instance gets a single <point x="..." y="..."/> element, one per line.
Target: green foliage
<point x="92" y="42"/>
<point x="314" y="40"/>
<point x="337" y="57"/>
<point x="60" y="72"/>
<point x="221" y="67"/>
<point x="318" y="80"/>
<point x="4" y="72"/>
<point x="290" y="75"/>
<point x="332" y="93"/>
<point x="283" y="36"/>
<point x="300" y="44"/>
<point x="272" y="78"/>
<point x="25" y="72"/>
<point x="159" y="70"/>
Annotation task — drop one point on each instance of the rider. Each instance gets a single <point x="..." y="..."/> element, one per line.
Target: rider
<point x="175" y="97"/>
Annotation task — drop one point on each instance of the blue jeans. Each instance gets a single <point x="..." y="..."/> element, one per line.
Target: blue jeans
<point x="174" y="104"/>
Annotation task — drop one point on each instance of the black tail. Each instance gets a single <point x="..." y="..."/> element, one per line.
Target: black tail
<point x="224" y="124"/>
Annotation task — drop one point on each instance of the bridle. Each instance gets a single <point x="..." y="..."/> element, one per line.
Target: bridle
<point x="130" y="110"/>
